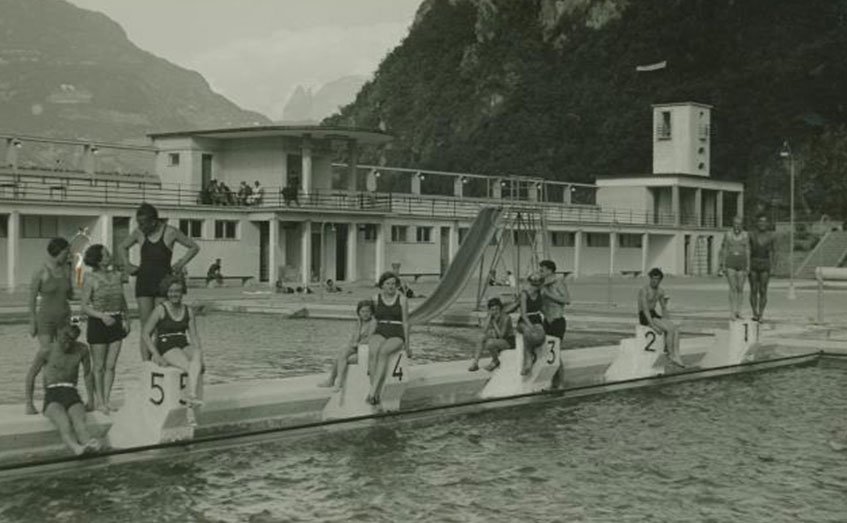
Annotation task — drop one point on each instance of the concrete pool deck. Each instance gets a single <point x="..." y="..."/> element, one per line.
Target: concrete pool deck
<point x="699" y="303"/>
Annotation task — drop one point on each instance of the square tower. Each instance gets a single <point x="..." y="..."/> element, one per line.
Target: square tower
<point x="681" y="138"/>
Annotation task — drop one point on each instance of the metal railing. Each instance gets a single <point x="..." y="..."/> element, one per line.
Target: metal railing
<point x="58" y="189"/>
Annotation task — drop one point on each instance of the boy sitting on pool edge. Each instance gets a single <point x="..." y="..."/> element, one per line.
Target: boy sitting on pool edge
<point x="497" y="335"/>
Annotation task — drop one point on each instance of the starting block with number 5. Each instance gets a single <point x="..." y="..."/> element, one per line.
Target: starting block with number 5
<point x="638" y="357"/>
<point x="507" y="379"/>
<point x="350" y="400"/>
<point x="154" y="411"/>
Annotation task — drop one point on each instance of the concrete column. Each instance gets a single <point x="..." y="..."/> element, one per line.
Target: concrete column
<point x="306" y="154"/>
<point x="567" y="194"/>
<point x="106" y="233"/>
<point x="11" y="154"/>
<point x="698" y="207"/>
<point x="645" y="252"/>
<point x="716" y="251"/>
<point x="739" y="204"/>
<point x="352" y="163"/>
<point x="13" y="244"/>
<point x="675" y="207"/>
<point x="719" y="210"/>
<point x="532" y="191"/>
<point x="613" y="251"/>
<point x="577" y="252"/>
<point x="273" y="248"/>
<point x="306" y="252"/>
<point x="453" y="241"/>
<point x="458" y="187"/>
<point x="692" y="254"/>
<point x="352" y="269"/>
<point x="416" y="183"/>
<point x="379" y="254"/>
<point x="496" y="188"/>
<point x="88" y="159"/>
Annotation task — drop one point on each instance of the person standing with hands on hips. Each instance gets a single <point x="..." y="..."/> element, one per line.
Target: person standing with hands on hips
<point x="156" y="239"/>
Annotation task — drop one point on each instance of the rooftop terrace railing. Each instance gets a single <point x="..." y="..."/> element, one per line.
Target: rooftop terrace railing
<point x="49" y="187"/>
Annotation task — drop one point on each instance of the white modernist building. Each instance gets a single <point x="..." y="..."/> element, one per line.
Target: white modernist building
<point x="351" y="222"/>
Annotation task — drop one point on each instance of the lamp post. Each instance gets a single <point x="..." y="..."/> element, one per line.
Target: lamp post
<point x="786" y="153"/>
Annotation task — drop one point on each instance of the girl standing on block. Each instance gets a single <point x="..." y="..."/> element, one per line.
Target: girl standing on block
<point x="735" y="262"/>
<point x="365" y="327"/>
<point x="392" y="332"/>
<point x="156" y="239"/>
<point x="104" y="303"/>
<point x="171" y="339"/>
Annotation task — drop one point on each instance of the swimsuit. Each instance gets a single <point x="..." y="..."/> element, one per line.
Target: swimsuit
<point x="736" y="247"/>
<point x="533" y="309"/>
<point x="642" y="318"/>
<point x="54" y="310"/>
<point x="389" y="318"/>
<point x="155" y="265"/>
<point x="65" y="394"/>
<point x="108" y="298"/>
<point x="171" y="333"/>
<point x="760" y="253"/>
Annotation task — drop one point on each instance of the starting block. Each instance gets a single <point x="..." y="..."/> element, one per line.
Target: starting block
<point x="155" y="410"/>
<point x="350" y="400"/>
<point x="638" y="357"/>
<point x="732" y="346"/>
<point x="506" y="380"/>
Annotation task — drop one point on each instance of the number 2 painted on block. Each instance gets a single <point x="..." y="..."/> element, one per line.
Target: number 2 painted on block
<point x="652" y="337"/>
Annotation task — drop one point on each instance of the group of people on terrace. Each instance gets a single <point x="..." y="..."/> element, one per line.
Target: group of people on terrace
<point x="218" y="193"/>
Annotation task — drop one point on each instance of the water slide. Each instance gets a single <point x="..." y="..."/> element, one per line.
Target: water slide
<point x="463" y="267"/>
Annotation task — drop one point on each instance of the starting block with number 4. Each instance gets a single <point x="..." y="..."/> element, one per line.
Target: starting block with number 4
<point x="507" y="379"/>
<point x="155" y="410"/>
<point x="350" y="400"/>
<point x="638" y="357"/>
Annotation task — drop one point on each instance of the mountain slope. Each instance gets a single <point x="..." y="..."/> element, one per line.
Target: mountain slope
<point x="550" y="88"/>
<point x="69" y="72"/>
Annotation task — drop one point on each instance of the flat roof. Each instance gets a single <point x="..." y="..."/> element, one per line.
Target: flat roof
<point x="363" y="136"/>
<point x="671" y="104"/>
<point x="665" y="176"/>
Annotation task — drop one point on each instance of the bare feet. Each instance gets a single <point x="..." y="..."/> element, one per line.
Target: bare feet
<point x="325" y="383"/>
<point x="491" y="367"/>
<point x="30" y="409"/>
<point x="190" y="417"/>
<point x="474" y="367"/>
<point x="337" y="387"/>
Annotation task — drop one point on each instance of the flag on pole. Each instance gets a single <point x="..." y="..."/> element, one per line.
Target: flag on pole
<point x="651" y="67"/>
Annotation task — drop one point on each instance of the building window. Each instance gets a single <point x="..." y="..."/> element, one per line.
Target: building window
<point x="562" y="239"/>
<point x="463" y="232"/>
<point x="368" y="232"/>
<point x="39" y="226"/>
<point x="597" y="239"/>
<point x="424" y="235"/>
<point x="398" y="233"/>
<point x="664" y="130"/>
<point x="191" y="228"/>
<point x="4" y="224"/>
<point x="629" y="241"/>
<point x="173" y="159"/>
<point x="523" y="237"/>
<point x="225" y="229"/>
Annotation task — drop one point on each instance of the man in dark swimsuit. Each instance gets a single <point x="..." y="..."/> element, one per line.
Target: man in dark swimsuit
<point x="62" y="404"/>
<point x="762" y="250"/>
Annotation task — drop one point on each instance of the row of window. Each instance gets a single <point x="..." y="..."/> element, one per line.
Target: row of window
<point x="568" y="239"/>
<point x="224" y="229"/>
<point x="400" y="234"/>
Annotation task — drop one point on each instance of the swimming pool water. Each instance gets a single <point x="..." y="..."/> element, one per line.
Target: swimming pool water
<point x="743" y="448"/>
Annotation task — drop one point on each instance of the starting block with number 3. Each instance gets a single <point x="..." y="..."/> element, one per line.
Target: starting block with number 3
<point x="638" y="357"/>
<point x="350" y="400"/>
<point x="154" y="411"/>
<point x="507" y="379"/>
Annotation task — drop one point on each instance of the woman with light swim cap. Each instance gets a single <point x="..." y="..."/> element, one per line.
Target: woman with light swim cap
<point x="734" y="263"/>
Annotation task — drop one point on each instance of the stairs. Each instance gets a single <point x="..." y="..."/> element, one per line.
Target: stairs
<point x="829" y="252"/>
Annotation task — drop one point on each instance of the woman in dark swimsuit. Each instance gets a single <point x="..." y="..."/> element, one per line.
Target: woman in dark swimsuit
<point x="531" y="322"/>
<point x="156" y="239"/>
<point x="391" y="335"/>
<point x="52" y="282"/>
<point x="762" y="251"/>
<point x="170" y="336"/>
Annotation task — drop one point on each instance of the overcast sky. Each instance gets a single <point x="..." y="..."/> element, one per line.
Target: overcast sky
<point x="255" y="52"/>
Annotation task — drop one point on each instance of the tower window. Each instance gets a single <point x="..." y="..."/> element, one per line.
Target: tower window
<point x="663" y="132"/>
